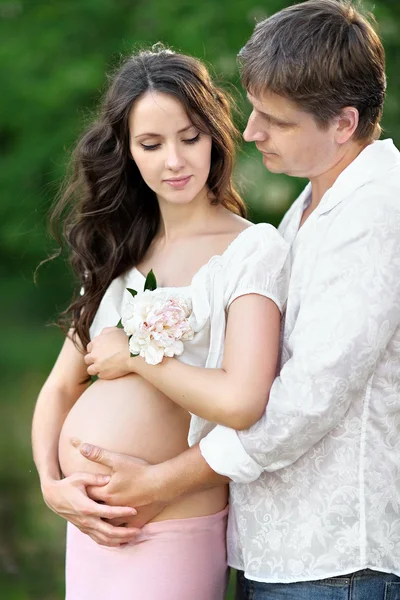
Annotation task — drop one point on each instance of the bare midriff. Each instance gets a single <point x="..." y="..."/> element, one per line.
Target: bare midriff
<point x="130" y="416"/>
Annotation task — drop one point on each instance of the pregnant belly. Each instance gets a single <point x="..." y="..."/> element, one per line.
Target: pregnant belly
<point x="130" y="416"/>
<point x="126" y="415"/>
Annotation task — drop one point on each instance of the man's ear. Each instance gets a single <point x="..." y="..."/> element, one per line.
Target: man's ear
<point x="346" y="124"/>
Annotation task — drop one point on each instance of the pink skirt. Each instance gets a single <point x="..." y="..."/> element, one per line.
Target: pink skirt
<point x="178" y="559"/>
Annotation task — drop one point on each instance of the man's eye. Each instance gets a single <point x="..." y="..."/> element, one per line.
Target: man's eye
<point x="149" y="147"/>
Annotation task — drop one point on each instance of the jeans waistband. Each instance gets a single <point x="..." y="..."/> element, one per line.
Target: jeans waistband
<point x="363" y="573"/>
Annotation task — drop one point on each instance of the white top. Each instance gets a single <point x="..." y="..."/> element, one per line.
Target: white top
<point x="256" y="262"/>
<point x="318" y="490"/>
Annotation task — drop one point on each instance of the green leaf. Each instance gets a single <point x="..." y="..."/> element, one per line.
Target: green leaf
<point x="93" y="378"/>
<point x="131" y="291"/>
<point x="119" y="324"/>
<point x="133" y="355"/>
<point x="151" y="282"/>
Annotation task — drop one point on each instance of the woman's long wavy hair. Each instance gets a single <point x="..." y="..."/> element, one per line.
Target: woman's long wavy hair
<point x="109" y="216"/>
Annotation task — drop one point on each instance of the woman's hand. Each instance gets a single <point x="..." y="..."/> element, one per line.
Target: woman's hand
<point x="68" y="499"/>
<point x="108" y="354"/>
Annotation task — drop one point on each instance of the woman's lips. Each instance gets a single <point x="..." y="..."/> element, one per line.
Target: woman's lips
<point x="178" y="183"/>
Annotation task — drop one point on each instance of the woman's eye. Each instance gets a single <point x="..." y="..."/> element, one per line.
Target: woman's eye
<point x="149" y="147"/>
<point x="193" y="140"/>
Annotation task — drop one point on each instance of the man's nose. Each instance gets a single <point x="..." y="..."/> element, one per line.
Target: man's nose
<point x="253" y="131"/>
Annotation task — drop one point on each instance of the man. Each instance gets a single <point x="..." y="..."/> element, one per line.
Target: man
<point x="315" y="498"/>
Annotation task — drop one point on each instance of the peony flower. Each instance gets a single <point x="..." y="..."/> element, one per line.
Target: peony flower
<point x="157" y="323"/>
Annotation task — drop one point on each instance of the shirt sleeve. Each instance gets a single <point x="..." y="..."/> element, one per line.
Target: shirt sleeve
<point x="348" y="314"/>
<point x="109" y="312"/>
<point x="258" y="262"/>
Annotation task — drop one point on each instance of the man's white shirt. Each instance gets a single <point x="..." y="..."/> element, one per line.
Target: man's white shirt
<point x="316" y="489"/>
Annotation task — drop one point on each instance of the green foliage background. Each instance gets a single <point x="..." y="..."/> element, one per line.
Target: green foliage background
<point x="53" y="59"/>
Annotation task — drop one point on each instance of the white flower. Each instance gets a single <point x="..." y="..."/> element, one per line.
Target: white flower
<point x="157" y="324"/>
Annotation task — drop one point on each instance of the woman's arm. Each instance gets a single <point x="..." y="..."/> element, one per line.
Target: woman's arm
<point x="236" y="394"/>
<point x="67" y="497"/>
<point x="61" y="390"/>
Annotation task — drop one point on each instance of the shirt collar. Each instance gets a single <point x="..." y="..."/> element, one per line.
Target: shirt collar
<point x="377" y="158"/>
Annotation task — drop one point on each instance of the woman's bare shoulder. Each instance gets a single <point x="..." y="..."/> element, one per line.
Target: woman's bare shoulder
<point x="229" y="227"/>
<point x="235" y="223"/>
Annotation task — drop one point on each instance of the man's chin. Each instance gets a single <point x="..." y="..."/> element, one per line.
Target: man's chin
<point x="272" y="163"/>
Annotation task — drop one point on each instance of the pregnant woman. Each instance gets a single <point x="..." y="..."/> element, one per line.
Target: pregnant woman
<point x="152" y="189"/>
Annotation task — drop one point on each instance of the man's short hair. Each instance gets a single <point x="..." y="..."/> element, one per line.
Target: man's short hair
<point x="323" y="55"/>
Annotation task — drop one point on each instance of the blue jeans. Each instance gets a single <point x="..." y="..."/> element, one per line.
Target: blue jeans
<point x="362" y="585"/>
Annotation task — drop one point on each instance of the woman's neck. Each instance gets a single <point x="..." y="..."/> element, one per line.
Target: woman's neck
<point x="183" y="220"/>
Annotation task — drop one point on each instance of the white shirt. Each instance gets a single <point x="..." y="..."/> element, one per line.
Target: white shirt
<point x="317" y="490"/>
<point x="256" y="262"/>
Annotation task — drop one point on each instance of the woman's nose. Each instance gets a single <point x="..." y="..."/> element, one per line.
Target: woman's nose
<point x="174" y="161"/>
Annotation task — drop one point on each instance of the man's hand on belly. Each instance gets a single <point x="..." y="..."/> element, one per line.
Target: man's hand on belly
<point x="133" y="481"/>
<point x="144" y="515"/>
<point x="138" y="484"/>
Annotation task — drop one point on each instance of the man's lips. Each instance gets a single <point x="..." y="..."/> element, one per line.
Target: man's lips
<point x="264" y="151"/>
<point x="178" y="182"/>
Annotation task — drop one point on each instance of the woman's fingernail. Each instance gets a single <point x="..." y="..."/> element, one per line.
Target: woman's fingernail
<point x="86" y="449"/>
<point x="105" y="478"/>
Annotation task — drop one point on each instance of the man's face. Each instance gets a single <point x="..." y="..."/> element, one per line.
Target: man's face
<point x="290" y="140"/>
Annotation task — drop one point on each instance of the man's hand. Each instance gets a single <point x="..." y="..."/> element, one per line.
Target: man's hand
<point x="108" y="354"/>
<point x="136" y="483"/>
<point x="133" y="481"/>
<point x="68" y="498"/>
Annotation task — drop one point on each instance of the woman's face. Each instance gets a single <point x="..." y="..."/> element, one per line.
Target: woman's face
<point x="171" y="154"/>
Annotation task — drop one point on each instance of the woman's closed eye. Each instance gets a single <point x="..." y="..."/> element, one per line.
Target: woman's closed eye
<point x="149" y="146"/>
<point x="192" y="140"/>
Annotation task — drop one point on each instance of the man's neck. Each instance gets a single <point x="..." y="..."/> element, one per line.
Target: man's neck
<point x="321" y="183"/>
